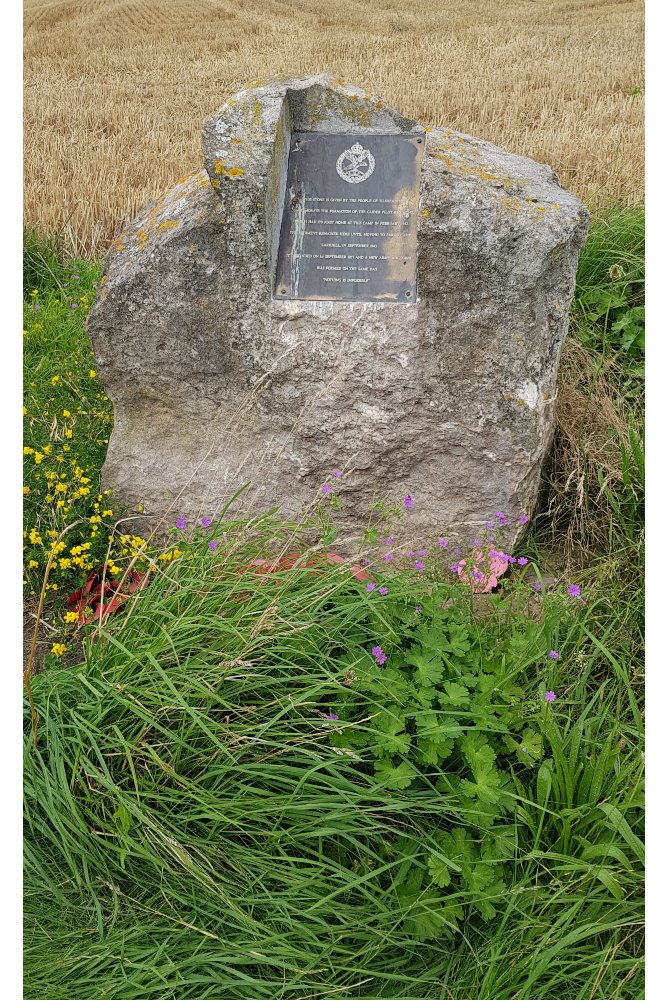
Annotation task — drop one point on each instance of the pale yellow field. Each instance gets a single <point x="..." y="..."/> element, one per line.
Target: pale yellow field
<point x="116" y="91"/>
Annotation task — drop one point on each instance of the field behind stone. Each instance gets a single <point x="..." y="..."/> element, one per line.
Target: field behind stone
<point x="116" y="92"/>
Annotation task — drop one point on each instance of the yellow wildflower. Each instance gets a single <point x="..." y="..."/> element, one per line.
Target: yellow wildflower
<point x="68" y="433"/>
<point x="26" y="490"/>
<point x="92" y="373"/>
<point x="47" y="449"/>
<point x="58" y="648"/>
<point x="55" y="380"/>
<point x="33" y="564"/>
<point x="66" y="413"/>
<point x="71" y="616"/>
<point x="38" y="457"/>
<point x="28" y="451"/>
<point x="61" y="488"/>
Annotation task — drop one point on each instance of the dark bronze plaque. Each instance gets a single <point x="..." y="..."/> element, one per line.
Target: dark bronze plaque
<point x="349" y="226"/>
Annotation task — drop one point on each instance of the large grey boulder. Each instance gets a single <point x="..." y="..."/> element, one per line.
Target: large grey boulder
<point x="449" y="399"/>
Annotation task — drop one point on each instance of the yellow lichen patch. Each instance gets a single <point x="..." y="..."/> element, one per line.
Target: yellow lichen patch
<point x="235" y="172"/>
<point x="425" y="213"/>
<point x="142" y="246"/>
<point x="216" y="183"/>
<point x="236" y="142"/>
<point x="379" y="105"/>
<point x="142" y="235"/>
<point x="169" y="224"/>
<point x="220" y="168"/>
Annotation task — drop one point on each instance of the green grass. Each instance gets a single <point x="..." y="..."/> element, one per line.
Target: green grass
<point x="196" y="826"/>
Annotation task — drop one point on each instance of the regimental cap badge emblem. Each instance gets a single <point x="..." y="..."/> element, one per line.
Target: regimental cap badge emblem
<point x="356" y="164"/>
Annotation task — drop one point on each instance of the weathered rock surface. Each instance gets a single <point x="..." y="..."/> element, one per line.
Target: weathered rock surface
<point x="449" y="399"/>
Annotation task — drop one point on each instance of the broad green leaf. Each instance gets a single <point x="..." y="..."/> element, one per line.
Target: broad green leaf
<point x="395" y="777"/>
<point x="455" y="694"/>
<point x="477" y="751"/>
<point x="429" y="665"/>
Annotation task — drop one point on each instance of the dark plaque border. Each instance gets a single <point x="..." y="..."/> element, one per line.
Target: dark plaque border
<point x="350" y="217"/>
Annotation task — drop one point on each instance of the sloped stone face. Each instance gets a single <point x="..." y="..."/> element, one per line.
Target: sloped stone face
<point x="450" y="399"/>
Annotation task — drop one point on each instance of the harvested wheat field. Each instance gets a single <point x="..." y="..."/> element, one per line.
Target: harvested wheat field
<point x="116" y="92"/>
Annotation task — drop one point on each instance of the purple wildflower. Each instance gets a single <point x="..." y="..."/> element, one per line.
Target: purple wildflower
<point x="476" y="543"/>
<point x="418" y="608"/>
<point x="205" y="522"/>
<point x="388" y="556"/>
<point x="76" y="277"/>
<point x="37" y="307"/>
<point x="370" y="587"/>
<point x="419" y="566"/>
<point x="574" y="590"/>
<point x="74" y="306"/>
<point x="522" y="561"/>
<point x="454" y="568"/>
<point x="422" y="552"/>
<point x="326" y="488"/>
<point x="380" y="657"/>
<point x="524" y="519"/>
<point x="409" y="553"/>
<point x="213" y="546"/>
<point x="498" y="514"/>
<point x="384" y="591"/>
<point x="537" y="586"/>
<point x="490" y="525"/>
<point x="180" y="522"/>
<point x="511" y="559"/>
<point x="336" y="474"/>
<point x="408" y="502"/>
<point x="550" y="696"/>
<point x="389" y="541"/>
<point x="332" y="715"/>
<point x="553" y="655"/>
<point x="477" y="576"/>
<point x="443" y="543"/>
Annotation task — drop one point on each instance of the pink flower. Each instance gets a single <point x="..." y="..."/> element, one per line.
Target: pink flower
<point x="408" y="502"/>
<point x="550" y="696"/>
<point x="326" y="488"/>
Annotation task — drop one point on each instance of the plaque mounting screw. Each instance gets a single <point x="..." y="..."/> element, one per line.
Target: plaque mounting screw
<point x="408" y="294"/>
<point x="418" y="140"/>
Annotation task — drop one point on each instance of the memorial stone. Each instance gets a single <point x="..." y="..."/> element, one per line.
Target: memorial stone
<point x="341" y="288"/>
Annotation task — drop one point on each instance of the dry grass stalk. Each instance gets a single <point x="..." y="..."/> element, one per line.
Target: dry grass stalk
<point x="116" y="93"/>
<point x="592" y="422"/>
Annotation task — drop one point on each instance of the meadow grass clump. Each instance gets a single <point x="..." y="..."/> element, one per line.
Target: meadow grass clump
<point x="269" y="781"/>
<point x="594" y="498"/>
